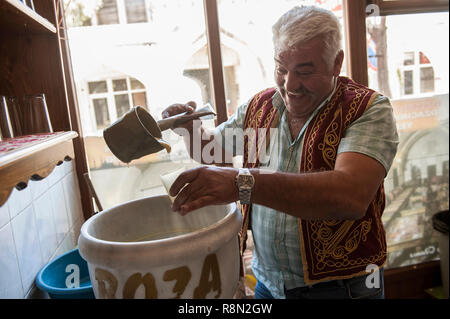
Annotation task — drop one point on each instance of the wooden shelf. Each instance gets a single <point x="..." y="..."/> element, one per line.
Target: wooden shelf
<point x="32" y="159"/>
<point x="16" y="17"/>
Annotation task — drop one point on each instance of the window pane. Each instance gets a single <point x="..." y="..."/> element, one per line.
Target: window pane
<point x="135" y="11"/>
<point x="409" y="58"/>
<point x="101" y="113"/>
<point x="97" y="87"/>
<point x="408" y="82"/>
<point x="120" y="85"/>
<point x="136" y="85"/>
<point x="417" y="184"/>
<point x="426" y="80"/>
<point x="122" y="104"/>
<point x="108" y="13"/>
<point x="140" y="99"/>
<point x="423" y="58"/>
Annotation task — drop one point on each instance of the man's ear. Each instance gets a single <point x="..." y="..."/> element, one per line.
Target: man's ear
<point x="338" y="63"/>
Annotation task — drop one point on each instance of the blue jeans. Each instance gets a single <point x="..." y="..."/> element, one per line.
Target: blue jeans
<point x="261" y="291"/>
<point x="353" y="288"/>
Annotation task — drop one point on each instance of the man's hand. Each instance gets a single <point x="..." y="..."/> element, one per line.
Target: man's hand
<point x="204" y="186"/>
<point x="178" y="108"/>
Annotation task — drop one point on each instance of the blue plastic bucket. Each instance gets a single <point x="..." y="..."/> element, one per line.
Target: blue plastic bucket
<point x="52" y="278"/>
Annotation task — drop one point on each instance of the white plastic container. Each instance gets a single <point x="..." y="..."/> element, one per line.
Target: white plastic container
<point x="141" y="249"/>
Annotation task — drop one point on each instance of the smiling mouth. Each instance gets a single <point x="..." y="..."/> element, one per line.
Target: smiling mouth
<point x="292" y="95"/>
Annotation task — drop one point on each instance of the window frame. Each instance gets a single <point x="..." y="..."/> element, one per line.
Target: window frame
<point x="110" y="98"/>
<point x="409" y="7"/>
<point x="399" y="282"/>
<point x="416" y="69"/>
<point x="355" y="13"/>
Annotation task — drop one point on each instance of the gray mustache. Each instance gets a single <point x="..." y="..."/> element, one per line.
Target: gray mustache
<point x="299" y="91"/>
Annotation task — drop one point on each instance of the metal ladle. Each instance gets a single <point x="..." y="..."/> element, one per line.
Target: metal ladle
<point x="137" y="134"/>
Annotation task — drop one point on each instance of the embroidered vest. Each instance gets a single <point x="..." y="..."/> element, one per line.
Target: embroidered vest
<point x="331" y="249"/>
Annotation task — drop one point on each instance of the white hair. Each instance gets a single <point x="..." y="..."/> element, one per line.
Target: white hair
<point x="301" y="24"/>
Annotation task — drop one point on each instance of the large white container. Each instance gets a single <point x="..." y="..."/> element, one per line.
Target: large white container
<point x="141" y="249"/>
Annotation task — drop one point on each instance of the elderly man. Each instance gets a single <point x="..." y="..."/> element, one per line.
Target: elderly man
<point x="314" y="201"/>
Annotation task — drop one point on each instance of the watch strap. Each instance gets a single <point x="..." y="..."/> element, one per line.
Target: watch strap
<point x="245" y="193"/>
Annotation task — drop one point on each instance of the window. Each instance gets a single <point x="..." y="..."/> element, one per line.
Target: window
<point x="122" y="104"/>
<point x="121" y="11"/>
<point x="409" y="58"/>
<point x="413" y="72"/>
<point x="418" y="74"/>
<point x="135" y="10"/>
<point x="108" y="13"/>
<point x="111" y="104"/>
<point x="408" y="85"/>
<point x="128" y="64"/>
<point x="101" y="112"/>
<point x="426" y="80"/>
<point x="97" y="87"/>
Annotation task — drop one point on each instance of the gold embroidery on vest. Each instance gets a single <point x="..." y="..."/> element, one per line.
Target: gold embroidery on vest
<point x="316" y="126"/>
<point x="331" y="140"/>
<point x="355" y="104"/>
<point x="333" y="247"/>
<point x="253" y="121"/>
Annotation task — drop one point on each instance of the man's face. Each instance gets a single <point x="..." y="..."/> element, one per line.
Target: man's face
<point x="303" y="78"/>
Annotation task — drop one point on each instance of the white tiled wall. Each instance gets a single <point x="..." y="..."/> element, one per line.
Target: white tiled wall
<point x="38" y="224"/>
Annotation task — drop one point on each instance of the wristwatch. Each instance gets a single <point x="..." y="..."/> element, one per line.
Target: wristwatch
<point x="245" y="182"/>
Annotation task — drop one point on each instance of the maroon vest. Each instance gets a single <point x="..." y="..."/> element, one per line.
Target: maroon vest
<point x="331" y="249"/>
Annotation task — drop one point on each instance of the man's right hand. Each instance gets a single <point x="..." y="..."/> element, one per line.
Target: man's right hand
<point x="178" y="108"/>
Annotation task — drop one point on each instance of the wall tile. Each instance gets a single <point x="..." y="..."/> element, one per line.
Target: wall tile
<point x="72" y="194"/>
<point x="27" y="246"/>
<point x="18" y="201"/>
<point x="66" y="245"/>
<point x="68" y="166"/>
<point x="68" y="242"/>
<point x="59" y="211"/>
<point x="37" y="225"/>
<point x="37" y="188"/>
<point x="4" y="214"/>
<point x="56" y="175"/>
<point x="46" y="225"/>
<point x="10" y="281"/>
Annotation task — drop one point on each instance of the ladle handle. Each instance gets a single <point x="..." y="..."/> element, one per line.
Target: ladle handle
<point x="176" y="120"/>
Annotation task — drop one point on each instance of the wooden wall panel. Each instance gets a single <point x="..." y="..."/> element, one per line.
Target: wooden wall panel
<point x="31" y="65"/>
<point x="410" y="282"/>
